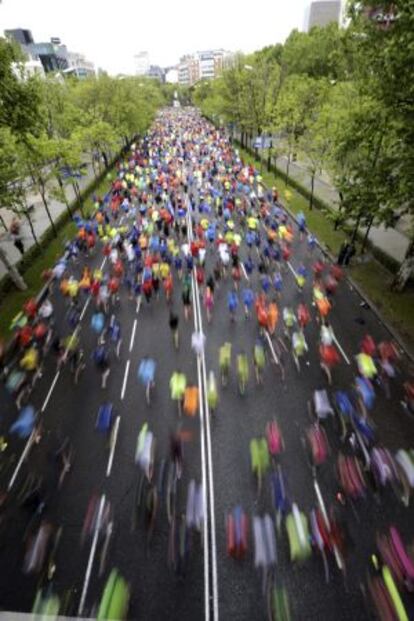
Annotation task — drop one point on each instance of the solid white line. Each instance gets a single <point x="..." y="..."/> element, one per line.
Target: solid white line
<point x="131" y="343"/>
<point x="84" y="308"/>
<point x="291" y="269"/>
<point x="205" y="420"/>
<point x="337" y="343"/>
<point x="49" y="394"/>
<point x="244" y="271"/>
<point x="322" y="505"/>
<point x="124" y="383"/>
<point x="272" y="349"/>
<point x="21" y="460"/>
<point x="91" y="556"/>
<point x="206" y="554"/>
<point x="211" y="491"/>
<point x="112" y="453"/>
<point x="204" y="485"/>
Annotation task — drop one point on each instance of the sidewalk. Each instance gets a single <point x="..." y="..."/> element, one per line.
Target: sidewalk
<point x="393" y="241"/>
<point x="39" y="217"/>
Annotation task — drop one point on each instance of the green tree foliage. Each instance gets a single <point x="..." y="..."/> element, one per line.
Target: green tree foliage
<point x="50" y="123"/>
<point x="340" y="98"/>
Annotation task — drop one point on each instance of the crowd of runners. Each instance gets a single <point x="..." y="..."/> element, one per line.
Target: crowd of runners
<point x="189" y="226"/>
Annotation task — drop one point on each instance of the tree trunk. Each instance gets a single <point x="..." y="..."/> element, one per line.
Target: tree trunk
<point x="94" y="165"/>
<point x="355" y="231"/>
<point x="269" y="158"/>
<point x="406" y="270"/>
<point x="370" y="223"/>
<point x="312" y="191"/>
<point x="12" y="271"/>
<point x="46" y="206"/>
<point x="287" y="169"/>
<point x="4" y="225"/>
<point x="65" y="200"/>
<point x="28" y="218"/>
<point x="78" y="196"/>
<point x="341" y="206"/>
<point x="105" y="158"/>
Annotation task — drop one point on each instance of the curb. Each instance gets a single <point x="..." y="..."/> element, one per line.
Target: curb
<point x="362" y="294"/>
<point x="357" y="288"/>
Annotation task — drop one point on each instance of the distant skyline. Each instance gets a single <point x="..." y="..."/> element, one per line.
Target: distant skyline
<point x="110" y="34"/>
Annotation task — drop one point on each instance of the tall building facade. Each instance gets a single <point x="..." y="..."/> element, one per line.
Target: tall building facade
<point x="205" y="65"/>
<point x="53" y="55"/>
<point x="22" y="36"/>
<point x="142" y="63"/>
<point x="323" y="12"/>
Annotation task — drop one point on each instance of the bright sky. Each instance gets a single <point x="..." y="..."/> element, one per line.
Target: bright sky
<point x="110" y="32"/>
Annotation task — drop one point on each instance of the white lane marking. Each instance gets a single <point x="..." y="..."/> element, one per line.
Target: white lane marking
<point x="324" y="512"/>
<point x="21" y="460"/>
<point x="291" y="269"/>
<point x="206" y="555"/>
<point x="91" y="556"/>
<point x="272" y="349"/>
<point x="138" y="305"/>
<point x="84" y="308"/>
<point x="211" y="491"/>
<point x="204" y="486"/>
<point x="112" y="453"/>
<point x="124" y="383"/>
<point x="49" y="394"/>
<point x="131" y="343"/>
<point x="337" y="343"/>
<point x="244" y="271"/>
<point x="322" y="505"/>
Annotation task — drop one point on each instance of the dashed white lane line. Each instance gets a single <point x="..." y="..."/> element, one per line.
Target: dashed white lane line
<point x="124" y="383"/>
<point x="244" y="272"/>
<point x="337" y="343"/>
<point x="21" y="460"/>
<point x="115" y="432"/>
<point x="291" y="269"/>
<point x="131" y="343"/>
<point x="91" y="556"/>
<point x="49" y="394"/>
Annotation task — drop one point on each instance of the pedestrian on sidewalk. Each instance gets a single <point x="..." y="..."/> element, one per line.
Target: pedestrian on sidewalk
<point x="16" y="235"/>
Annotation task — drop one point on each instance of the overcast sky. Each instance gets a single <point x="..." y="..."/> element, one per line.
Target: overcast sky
<point x="110" y="32"/>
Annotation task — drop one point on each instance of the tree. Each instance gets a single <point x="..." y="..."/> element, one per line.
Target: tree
<point x="385" y="41"/>
<point x="35" y="162"/>
<point x="19" y="110"/>
<point x="316" y="143"/>
<point x="296" y="107"/>
<point x="320" y="53"/>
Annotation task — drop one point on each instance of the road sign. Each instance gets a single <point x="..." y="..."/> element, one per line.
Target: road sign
<point x="262" y="142"/>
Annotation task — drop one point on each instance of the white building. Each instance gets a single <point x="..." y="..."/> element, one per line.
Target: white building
<point x="204" y="65"/>
<point x="79" y="65"/>
<point x="28" y="69"/>
<point x="172" y="76"/>
<point x="142" y="63"/>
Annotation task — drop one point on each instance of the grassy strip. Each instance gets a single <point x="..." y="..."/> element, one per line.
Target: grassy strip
<point x="14" y="299"/>
<point x="371" y="276"/>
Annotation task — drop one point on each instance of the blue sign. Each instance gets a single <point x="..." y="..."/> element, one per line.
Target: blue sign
<point x="262" y="142"/>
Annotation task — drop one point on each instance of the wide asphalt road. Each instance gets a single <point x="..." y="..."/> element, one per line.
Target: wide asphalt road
<point x="156" y="591"/>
